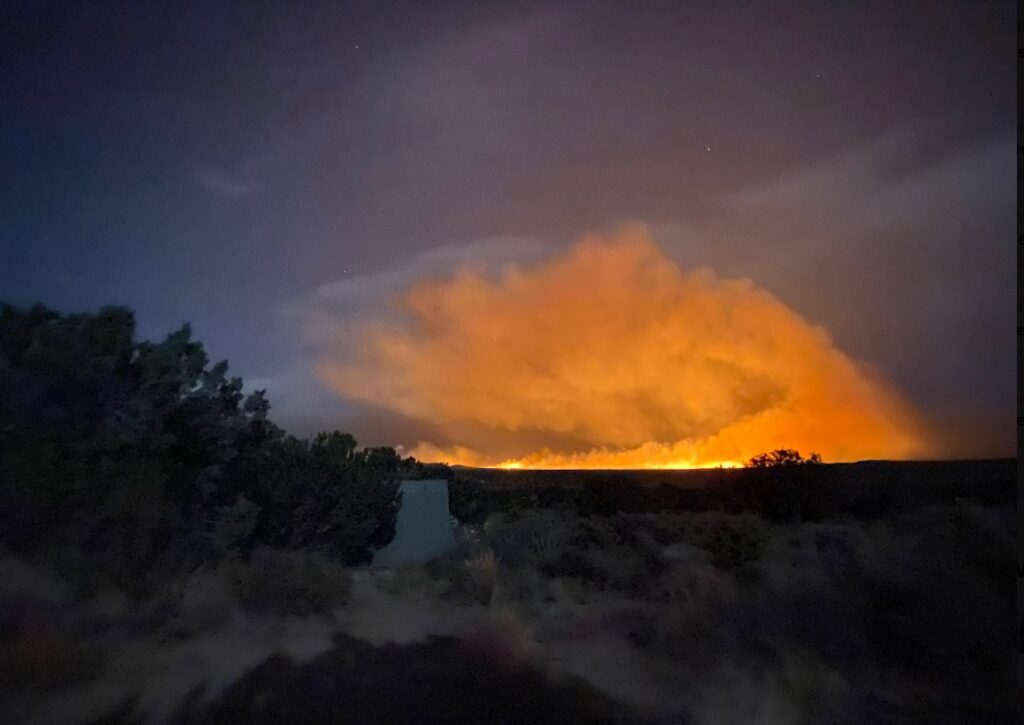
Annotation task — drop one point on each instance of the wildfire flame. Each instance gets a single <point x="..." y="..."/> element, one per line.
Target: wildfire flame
<point x="622" y="360"/>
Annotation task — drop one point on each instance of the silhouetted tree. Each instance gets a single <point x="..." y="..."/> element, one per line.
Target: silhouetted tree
<point x="781" y="457"/>
<point x="780" y="485"/>
<point x="122" y="460"/>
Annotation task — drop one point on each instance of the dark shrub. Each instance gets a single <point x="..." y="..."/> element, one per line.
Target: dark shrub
<point x="275" y="581"/>
<point x="122" y="462"/>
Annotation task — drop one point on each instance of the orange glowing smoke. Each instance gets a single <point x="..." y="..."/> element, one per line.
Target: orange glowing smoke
<point x="623" y="360"/>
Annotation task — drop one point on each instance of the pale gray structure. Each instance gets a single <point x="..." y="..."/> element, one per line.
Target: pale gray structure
<point x="423" y="529"/>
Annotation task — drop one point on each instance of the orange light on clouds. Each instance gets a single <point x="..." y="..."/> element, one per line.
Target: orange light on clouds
<point x="637" y="362"/>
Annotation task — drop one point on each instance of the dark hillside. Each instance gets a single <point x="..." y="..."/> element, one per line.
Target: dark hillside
<point x="868" y="489"/>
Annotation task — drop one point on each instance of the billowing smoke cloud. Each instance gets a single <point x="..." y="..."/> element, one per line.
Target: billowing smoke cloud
<point x="610" y="355"/>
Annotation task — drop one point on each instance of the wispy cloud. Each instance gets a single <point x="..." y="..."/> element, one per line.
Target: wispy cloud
<point x="220" y="183"/>
<point x="353" y="296"/>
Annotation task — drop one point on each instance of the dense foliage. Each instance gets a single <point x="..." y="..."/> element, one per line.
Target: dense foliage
<point x="121" y="461"/>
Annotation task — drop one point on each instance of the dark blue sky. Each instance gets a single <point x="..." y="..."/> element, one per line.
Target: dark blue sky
<point x="219" y="163"/>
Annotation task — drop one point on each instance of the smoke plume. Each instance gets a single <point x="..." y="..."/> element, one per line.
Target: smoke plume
<point x="611" y="356"/>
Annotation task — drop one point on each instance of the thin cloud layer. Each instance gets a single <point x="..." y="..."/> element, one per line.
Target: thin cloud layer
<point x="218" y="183"/>
<point x="615" y="348"/>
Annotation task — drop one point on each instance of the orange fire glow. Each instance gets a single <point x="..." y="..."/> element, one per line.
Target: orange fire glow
<point x="612" y="356"/>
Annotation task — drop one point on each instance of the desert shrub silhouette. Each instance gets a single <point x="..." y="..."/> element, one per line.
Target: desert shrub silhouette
<point x="122" y="462"/>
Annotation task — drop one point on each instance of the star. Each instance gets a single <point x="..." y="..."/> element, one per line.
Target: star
<point x="707" y="148"/>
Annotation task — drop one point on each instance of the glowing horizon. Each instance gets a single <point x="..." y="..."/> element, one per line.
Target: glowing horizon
<point x="671" y="466"/>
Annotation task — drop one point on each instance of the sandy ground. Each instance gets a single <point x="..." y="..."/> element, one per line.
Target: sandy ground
<point x="160" y="674"/>
<point x="565" y="639"/>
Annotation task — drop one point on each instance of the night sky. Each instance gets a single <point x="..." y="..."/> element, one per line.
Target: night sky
<point x="255" y="168"/>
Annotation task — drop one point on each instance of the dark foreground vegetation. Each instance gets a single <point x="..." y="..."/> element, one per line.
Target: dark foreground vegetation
<point x="866" y="490"/>
<point x="124" y="462"/>
<point x="168" y="554"/>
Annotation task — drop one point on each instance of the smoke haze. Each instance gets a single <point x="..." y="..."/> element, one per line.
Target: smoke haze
<point x="611" y="355"/>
